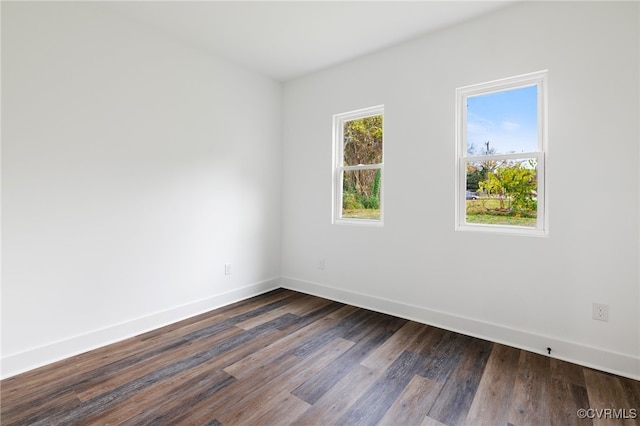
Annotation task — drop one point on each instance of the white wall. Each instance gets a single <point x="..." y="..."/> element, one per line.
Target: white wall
<point x="133" y="168"/>
<point x="525" y="291"/>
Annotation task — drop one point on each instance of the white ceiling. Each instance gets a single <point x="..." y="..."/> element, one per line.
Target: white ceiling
<point x="285" y="40"/>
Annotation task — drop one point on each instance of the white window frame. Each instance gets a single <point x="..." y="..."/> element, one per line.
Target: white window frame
<point x="339" y="121"/>
<point x="538" y="79"/>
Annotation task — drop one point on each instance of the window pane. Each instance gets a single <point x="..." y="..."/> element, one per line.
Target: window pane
<point x="503" y="122"/>
<point x="361" y="194"/>
<point x="502" y="192"/>
<point x="363" y="141"/>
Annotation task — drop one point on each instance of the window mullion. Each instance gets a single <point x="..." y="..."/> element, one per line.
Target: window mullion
<point x="500" y="157"/>
<point x="362" y="167"/>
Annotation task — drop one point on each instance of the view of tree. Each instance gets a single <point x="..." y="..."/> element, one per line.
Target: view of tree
<point x="362" y="146"/>
<point x="363" y="141"/>
<point x="504" y="189"/>
<point x="515" y="184"/>
<point x="475" y="175"/>
<point x="479" y="172"/>
<point x="501" y="134"/>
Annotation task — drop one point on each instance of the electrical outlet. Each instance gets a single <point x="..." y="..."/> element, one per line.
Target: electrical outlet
<point x="227" y="269"/>
<point x="321" y="264"/>
<point x="600" y="312"/>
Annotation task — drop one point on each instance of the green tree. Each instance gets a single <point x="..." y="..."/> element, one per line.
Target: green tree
<point x="363" y="145"/>
<point x="478" y="172"/>
<point x="363" y="141"/>
<point x="376" y="184"/>
<point x="515" y="183"/>
<point x="475" y="175"/>
<point x="492" y="185"/>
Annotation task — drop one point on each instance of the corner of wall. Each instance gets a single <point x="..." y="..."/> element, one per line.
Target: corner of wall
<point x="14" y="364"/>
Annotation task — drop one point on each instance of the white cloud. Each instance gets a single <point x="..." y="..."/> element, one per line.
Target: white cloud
<point x="509" y="126"/>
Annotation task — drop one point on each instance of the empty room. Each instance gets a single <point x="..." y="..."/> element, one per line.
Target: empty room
<point x="320" y="213"/>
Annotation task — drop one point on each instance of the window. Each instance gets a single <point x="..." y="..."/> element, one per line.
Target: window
<point x="500" y="148"/>
<point x="359" y="167"/>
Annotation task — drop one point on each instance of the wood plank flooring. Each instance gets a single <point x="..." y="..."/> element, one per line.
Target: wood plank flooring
<point x="286" y="358"/>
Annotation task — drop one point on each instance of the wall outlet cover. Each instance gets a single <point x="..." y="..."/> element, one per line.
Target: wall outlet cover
<point x="600" y="312"/>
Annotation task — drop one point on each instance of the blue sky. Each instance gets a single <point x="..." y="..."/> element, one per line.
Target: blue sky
<point x="508" y="120"/>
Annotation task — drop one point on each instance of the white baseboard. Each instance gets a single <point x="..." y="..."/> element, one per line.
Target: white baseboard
<point x="612" y="362"/>
<point x="20" y="362"/>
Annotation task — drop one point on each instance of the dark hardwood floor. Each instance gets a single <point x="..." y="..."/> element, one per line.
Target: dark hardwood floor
<point x="289" y="358"/>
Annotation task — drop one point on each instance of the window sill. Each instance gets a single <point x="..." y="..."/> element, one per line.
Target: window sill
<point x="359" y="222"/>
<point x="504" y="230"/>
